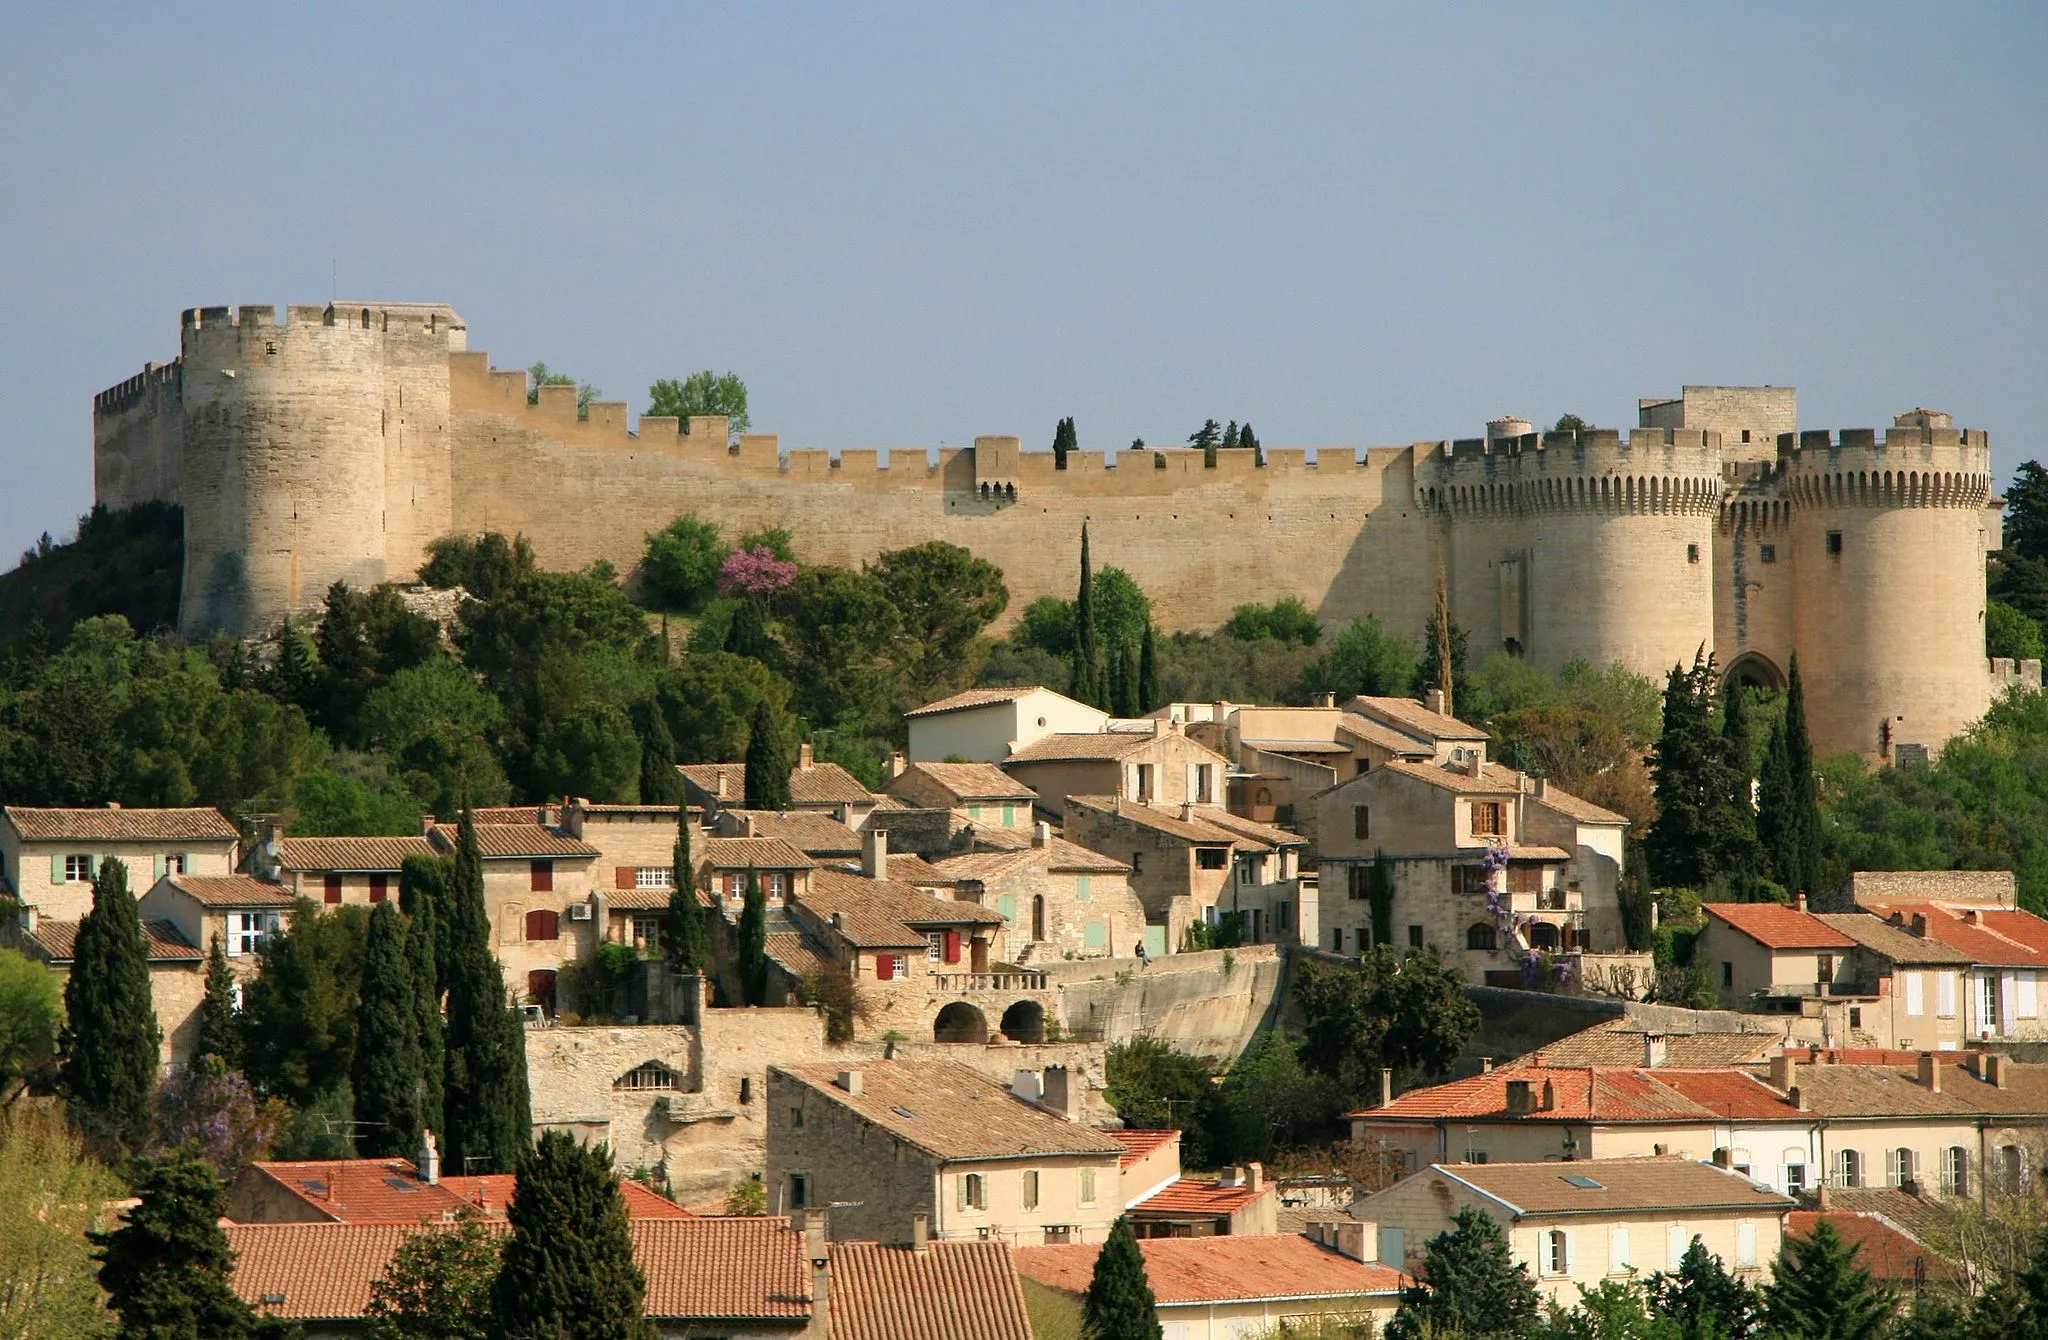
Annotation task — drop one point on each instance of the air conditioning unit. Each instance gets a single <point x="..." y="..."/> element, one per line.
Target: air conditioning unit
<point x="579" y="912"/>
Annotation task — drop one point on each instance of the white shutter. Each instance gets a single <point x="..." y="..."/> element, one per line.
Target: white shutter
<point x="1916" y="1000"/>
<point x="1617" y="1250"/>
<point x="1676" y="1241"/>
<point x="1745" y="1243"/>
<point x="2028" y="1002"/>
<point x="1945" y="995"/>
<point x="2008" y="1000"/>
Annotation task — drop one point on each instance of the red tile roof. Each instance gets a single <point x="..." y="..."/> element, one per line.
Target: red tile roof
<point x="350" y="853"/>
<point x="1227" y="1269"/>
<point x="390" y="1191"/>
<point x="826" y="784"/>
<point x="1883" y="1248"/>
<point x="497" y="842"/>
<point x="950" y="1291"/>
<point x="1589" y="1093"/>
<point x="1138" y="1144"/>
<point x="1996" y="938"/>
<point x="1776" y="926"/>
<point x="232" y="891"/>
<point x="1200" y="1196"/>
<point x="112" y="823"/>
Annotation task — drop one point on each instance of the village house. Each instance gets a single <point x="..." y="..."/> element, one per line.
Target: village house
<point x="1283" y="756"/>
<point x="391" y="1191"/>
<point x="821" y="788"/>
<point x="980" y="793"/>
<point x="725" y="864"/>
<point x="1190" y="863"/>
<point x="1058" y="900"/>
<point x="1574" y="1225"/>
<point x="1972" y="913"/>
<point x="538" y="883"/>
<point x="49" y="857"/>
<point x="337" y="870"/>
<point x="1151" y="763"/>
<point x="1222" y="1288"/>
<point x="900" y="1138"/>
<point x="986" y="725"/>
<point x="177" y="971"/>
<point x="819" y="836"/>
<point x="1238" y="1200"/>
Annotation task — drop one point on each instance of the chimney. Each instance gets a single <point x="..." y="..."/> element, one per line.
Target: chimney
<point x="1995" y="1069"/>
<point x="26" y="918"/>
<point x="920" y="1232"/>
<point x="1486" y="1065"/>
<point x="1059" y="1091"/>
<point x="1158" y="727"/>
<point x="1231" y="1176"/>
<point x="849" y="1080"/>
<point x="1653" y="1050"/>
<point x="1820" y="1195"/>
<point x="1549" y="1096"/>
<point x="1520" y="1100"/>
<point x="1327" y="700"/>
<point x="429" y="1160"/>
<point x="1255" y="1177"/>
<point x="1542" y="787"/>
<point x="1041" y="833"/>
<point x="874" y="853"/>
<point x="1784" y="1072"/>
<point x="1797" y="1098"/>
<point x="721" y="783"/>
<point x="1721" y="1157"/>
<point x="1799" y="901"/>
<point x="803" y="756"/>
<point x="1187" y="810"/>
<point x="1930" y="1072"/>
<point x="1027" y="1085"/>
<point x="1920" y="924"/>
<point x="1434" y="701"/>
<point x="896" y="763"/>
<point x="1386" y="1086"/>
<point x="1971" y="917"/>
<point x="426" y="824"/>
<point x="113" y="804"/>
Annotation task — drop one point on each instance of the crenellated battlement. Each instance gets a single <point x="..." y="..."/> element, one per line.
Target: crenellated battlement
<point x="152" y="378"/>
<point x="1653" y="470"/>
<point x="1911" y="465"/>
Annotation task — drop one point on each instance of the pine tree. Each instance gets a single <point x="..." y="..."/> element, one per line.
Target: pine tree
<point x="660" y="783"/>
<point x="1119" y="1304"/>
<point x="689" y="926"/>
<point x="1788" y="801"/>
<point x="1705" y="1300"/>
<point x="422" y="940"/>
<point x="1247" y="440"/>
<point x="485" y="1097"/>
<point x="220" y="1032"/>
<point x="110" y="1038"/>
<point x="754" y="943"/>
<point x="385" y="1077"/>
<point x="166" y="1268"/>
<point x="1230" y="435"/>
<point x="768" y="759"/>
<point x="1148" y="671"/>
<point x="1469" y="1285"/>
<point x="1821" y="1292"/>
<point x="1083" y="685"/>
<point x="1207" y="438"/>
<point x="568" y="1265"/>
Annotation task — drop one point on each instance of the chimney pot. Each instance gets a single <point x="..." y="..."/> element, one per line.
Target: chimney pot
<point x="1995" y="1069"/>
<point x="426" y="824"/>
<point x="1041" y="833"/>
<point x="874" y="853"/>
<point x="1930" y="1072"/>
<point x="1187" y="809"/>
<point x="1784" y="1071"/>
<point x="1486" y="1065"/>
<point x="1797" y="1097"/>
<point x="920" y="1231"/>
<point x="896" y="763"/>
<point x="849" y="1080"/>
<point x="1058" y="1088"/>
<point x="429" y="1160"/>
<point x="1386" y="1086"/>
<point x="1542" y="787"/>
<point x="803" y="755"/>
<point x="1328" y="700"/>
<point x="1799" y="901"/>
<point x="1434" y="701"/>
<point x="1653" y="1050"/>
<point x="1549" y="1096"/>
<point x="1255" y="1177"/>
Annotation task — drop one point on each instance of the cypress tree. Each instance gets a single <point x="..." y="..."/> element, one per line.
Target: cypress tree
<point x="768" y="759"/>
<point x="754" y="943"/>
<point x="1638" y="897"/>
<point x="689" y="927"/>
<point x="1700" y="832"/>
<point x="1820" y="1291"/>
<point x="1063" y="441"/>
<point x="422" y="940"/>
<point x="1788" y="819"/>
<point x="110" y="1036"/>
<point x="1148" y="671"/>
<point x="1380" y="894"/>
<point x="568" y="1264"/>
<point x="1230" y="435"/>
<point x="1742" y="858"/>
<point x="220" y="1033"/>
<point x="484" y="1099"/>
<point x="1247" y="440"/>
<point x="1123" y="681"/>
<point x="166" y="1268"/>
<point x="1469" y="1285"/>
<point x="1704" y="1299"/>
<point x="660" y="783"/>
<point x="385" y="1076"/>
<point x="1083" y="686"/>
<point x="1119" y="1304"/>
<point x="424" y="884"/>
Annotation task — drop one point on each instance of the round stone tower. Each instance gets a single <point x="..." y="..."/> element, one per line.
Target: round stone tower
<point x="1888" y="546"/>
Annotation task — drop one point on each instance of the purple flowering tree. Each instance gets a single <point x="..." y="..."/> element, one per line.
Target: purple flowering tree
<point x="214" y="1108"/>
<point x="755" y="573"/>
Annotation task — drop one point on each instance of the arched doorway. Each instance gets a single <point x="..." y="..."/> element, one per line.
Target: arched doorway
<point x="1755" y="670"/>
<point x="960" y="1022"/>
<point x="1024" y="1022"/>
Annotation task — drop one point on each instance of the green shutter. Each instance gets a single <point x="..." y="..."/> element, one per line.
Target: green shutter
<point x="1081" y="893"/>
<point x="1095" y="935"/>
<point x="56" y="870"/>
<point x="160" y="866"/>
<point x="1007" y="905"/>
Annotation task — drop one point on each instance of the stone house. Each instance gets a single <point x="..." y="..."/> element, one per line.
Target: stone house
<point x="819" y="836"/>
<point x="823" y="788"/>
<point x="1572" y="1225"/>
<point x="1971" y="913"/>
<point x="636" y="844"/>
<point x="48" y="856"/>
<point x="177" y="971"/>
<point x="981" y="793"/>
<point x="337" y="870"/>
<point x="723" y="865"/>
<point x="1189" y="862"/>
<point x="1153" y="765"/>
<point x="986" y="725"/>
<point x="1439" y="823"/>
<point x="1283" y="756"/>
<point x="1222" y="1288"/>
<point x="899" y="1138"/>
<point x="1057" y="899"/>
<point x="538" y="883"/>
<point x="391" y="1191"/>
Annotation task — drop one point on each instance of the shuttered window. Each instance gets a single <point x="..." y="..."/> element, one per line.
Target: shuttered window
<point x="332" y="887"/>
<point x="543" y="877"/>
<point x="543" y="924"/>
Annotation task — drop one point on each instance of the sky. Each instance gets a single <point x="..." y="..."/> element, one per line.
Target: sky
<point x="909" y="225"/>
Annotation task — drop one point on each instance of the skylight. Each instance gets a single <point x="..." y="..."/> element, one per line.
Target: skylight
<point x="1584" y="1183"/>
<point x="904" y="1112"/>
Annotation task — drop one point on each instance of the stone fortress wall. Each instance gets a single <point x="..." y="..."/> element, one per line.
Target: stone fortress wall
<point x="337" y="444"/>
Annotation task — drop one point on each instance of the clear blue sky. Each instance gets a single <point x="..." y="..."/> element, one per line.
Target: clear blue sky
<point x="912" y="225"/>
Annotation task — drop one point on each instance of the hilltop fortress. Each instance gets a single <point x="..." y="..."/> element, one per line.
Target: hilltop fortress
<point x="336" y="444"/>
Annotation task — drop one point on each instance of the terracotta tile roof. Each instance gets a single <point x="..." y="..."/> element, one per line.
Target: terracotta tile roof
<point x="886" y="914"/>
<point x="231" y="890"/>
<point x="973" y="781"/>
<point x="826" y="784"/>
<point x="1385" y="736"/>
<point x="1580" y="1094"/>
<point x="813" y="834"/>
<point x="1413" y="717"/>
<point x="1884" y="1248"/>
<point x="634" y="899"/>
<point x="391" y="1191"/>
<point x="1622" y="1186"/>
<point x="707" y="777"/>
<point x="118" y="824"/>
<point x="1200" y="1196"/>
<point x="503" y="842"/>
<point x="602" y="808"/>
<point x="909" y="868"/>
<point x="1894" y="943"/>
<point x="1057" y="854"/>
<point x="1438" y="775"/>
<point x="1197" y="830"/>
<point x="1916" y="1214"/>
<point x="1193" y="1271"/>
<point x="509" y="814"/>
<point x="1138" y="1144"/>
<point x="1092" y="747"/>
<point x="1573" y="807"/>
<point x="1730" y="1094"/>
<point x="752" y="854"/>
<point x="1265" y="834"/>
<point x="1271" y="746"/>
<point x="796" y="956"/>
<point x="950" y="1291"/>
<point x="1614" y="1043"/>
<point x="954" y="1112"/>
<point x="974" y="698"/>
<point x="322" y="1272"/>
<point x="1776" y="926"/>
<point x="350" y="853"/>
<point x="160" y="939"/>
<point x="1975" y="932"/>
<point x="1960" y="886"/>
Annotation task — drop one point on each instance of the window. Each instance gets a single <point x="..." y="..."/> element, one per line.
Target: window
<point x="1415" y="937"/>
<point x="1855" y="1016"/>
<point x="974" y="811"/>
<point x="1795" y="1171"/>
<point x="543" y="923"/>
<point x="1745" y="435"/>
<point x="542" y="877"/>
<point x="1479" y="935"/>
<point x="177" y="863"/>
<point x="1212" y="858"/>
<point x="1848" y="1168"/>
<point x="1137" y="863"/>
<point x="1468" y="879"/>
<point x="1835" y="543"/>
<point x="2028" y="1003"/>
<point x="1081" y="890"/>
<point x="1745" y="1243"/>
<point x="1899" y="1166"/>
<point x="1489" y="818"/>
<point x="888" y="967"/>
<point x="1031" y="1189"/>
<point x="774" y="885"/>
<point x="1361" y="822"/>
<point x="1359" y="882"/>
<point x="647" y="931"/>
<point x="645" y="1077"/>
<point x="1916" y="995"/>
<point x="1676" y="1240"/>
<point x="1945" y="994"/>
<point x="935" y="946"/>
<point x="1087" y="1186"/>
<point x="1525" y="879"/>
<point x="1692" y="553"/>
<point x="1767" y="553"/>
<point x="2009" y="1170"/>
<point x="77" y="869"/>
<point x="799" y="1190"/>
<point x="247" y="929"/>
<point x="1727" y="973"/>
<point x="971" y="1192"/>
<point x="1618" y="1259"/>
<point x="1009" y="815"/>
<point x="654" y="877"/>
<point x="380" y="888"/>
<point x="1557" y="1252"/>
<point x="331" y="887"/>
<point x="1337" y="939"/>
<point x="1955" y="1171"/>
<point x="796" y="1116"/>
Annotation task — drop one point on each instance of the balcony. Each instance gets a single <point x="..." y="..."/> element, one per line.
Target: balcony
<point x="1019" y="980"/>
<point x="1569" y="901"/>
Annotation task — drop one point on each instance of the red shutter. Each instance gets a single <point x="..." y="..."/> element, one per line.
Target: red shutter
<point x="543" y="924"/>
<point x="625" y="876"/>
<point x="379" y="887"/>
<point x="885" y="967"/>
<point x="952" y="950"/>
<point x="543" y="876"/>
<point x="332" y="890"/>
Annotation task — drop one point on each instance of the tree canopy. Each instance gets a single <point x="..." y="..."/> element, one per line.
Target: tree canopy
<point x="700" y="394"/>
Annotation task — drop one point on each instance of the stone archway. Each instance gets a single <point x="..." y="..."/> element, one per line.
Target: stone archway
<point x="960" y="1022"/>
<point x="1024" y="1022"/>
<point x="1757" y="671"/>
